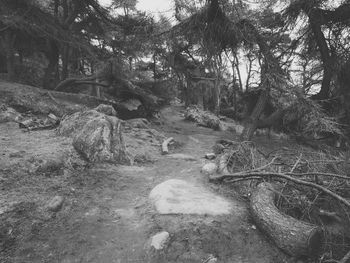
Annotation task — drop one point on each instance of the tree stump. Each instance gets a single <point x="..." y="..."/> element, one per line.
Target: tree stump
<point x="294" y="237"/>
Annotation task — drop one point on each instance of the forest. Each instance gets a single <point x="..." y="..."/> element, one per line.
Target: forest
<point x="217" y="131"/>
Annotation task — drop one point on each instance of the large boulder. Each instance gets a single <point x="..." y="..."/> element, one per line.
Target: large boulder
<point x="96" y="136"/>
<point x="202" y="118"/>
<point x="101" y="140"/>
<point x="8" y="114"/>
<point x="99" y="137"/>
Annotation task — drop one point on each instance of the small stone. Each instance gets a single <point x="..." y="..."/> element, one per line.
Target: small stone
<point x="209" y="168"/>
<point x="50" y="166"/>
<point x="55" y="204"/>
<point x="19" y="154"/>
<point x="210" y="156"/>
<point x="160" y="240"/>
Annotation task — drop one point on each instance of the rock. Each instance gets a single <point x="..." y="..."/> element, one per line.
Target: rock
<point x="19" y="154"/>
<point x="210" y="156"/>
<point x="180" y="197"/>
<point x="132" y="104"/>
<point x="239" y="128"/>
<point x="140" y="123"/>
<point x="209" y="168"/>
<point x="106" y="109"/>
<point x="8" y="114"/>
<point x="182" y="156"/>
<point x="101" y="140"/>
<point x="96" y="136"/>
<point x="232" y="127"/>
<point x="74" y="123"/>
<point x="160" y="240"/>
<point x="202" y="118"/>
<point x="50" y="166"/>
<point x="55" y="204"/>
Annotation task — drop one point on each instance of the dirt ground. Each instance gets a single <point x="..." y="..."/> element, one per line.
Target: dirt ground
<point x="106" y="215"/>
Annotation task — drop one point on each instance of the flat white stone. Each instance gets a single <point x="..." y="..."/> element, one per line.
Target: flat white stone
<point x="158" y="241"/>
<point x="180" y="197"/>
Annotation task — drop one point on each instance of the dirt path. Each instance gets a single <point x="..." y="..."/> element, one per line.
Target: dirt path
<point x="106" y="215"/>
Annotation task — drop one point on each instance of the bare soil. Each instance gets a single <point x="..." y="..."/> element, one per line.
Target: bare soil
<point x="106" y="216"/>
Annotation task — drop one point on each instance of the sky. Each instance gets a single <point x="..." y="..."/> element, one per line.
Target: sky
<point x="154" y="7"/>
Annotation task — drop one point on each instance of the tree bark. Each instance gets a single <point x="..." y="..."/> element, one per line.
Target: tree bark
<point x="217" y="96"/>
<point x="252" y="121"/>
<point x="294" y="237"/>
<point x="274" y="118"/>
<point x="9" y="41"/>
<point x="65" y="62"/>
<point x="51" y="77"/>
<point x="238" y="72"/>
<point x="270" y="65"/>
<point x="325" y="56"/>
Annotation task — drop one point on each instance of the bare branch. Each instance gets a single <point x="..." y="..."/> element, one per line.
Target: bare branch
<point x="289" y="178"/>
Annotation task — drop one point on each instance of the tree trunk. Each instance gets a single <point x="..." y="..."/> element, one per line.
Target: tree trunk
<point x="154" y="67"/>
<point x="325" y="56"/>
<point x="249" y="72"/>
<point x="9" y="41"/>
<point x="294" y="237"/>
<point x="270" y="65"/>
<point x="217" y="96"/>
<point x="273" y="119"/>
<point x="252" y="122"/>
<point x="65" y="62"/>
<point x="50" y="77"/>
<point x="238" y="71"/>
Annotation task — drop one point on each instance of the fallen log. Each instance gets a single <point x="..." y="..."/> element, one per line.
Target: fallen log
<point x="294" y="237"/>
<point x="28" y="98"/>
<point x="165" y="144"/>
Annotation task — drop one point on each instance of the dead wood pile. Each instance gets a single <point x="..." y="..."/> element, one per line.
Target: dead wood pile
<point x="311" y="189"/>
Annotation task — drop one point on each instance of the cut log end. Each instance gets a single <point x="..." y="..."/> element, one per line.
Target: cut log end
<point x="294" y="237"/>
<point x="315" y="242"/>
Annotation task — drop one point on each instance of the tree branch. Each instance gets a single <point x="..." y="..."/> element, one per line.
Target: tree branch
<point x="289" y="178"/>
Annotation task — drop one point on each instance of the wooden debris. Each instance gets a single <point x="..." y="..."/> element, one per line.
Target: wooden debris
<point x="165" y="144"/>
<point x="294" y="237"/>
